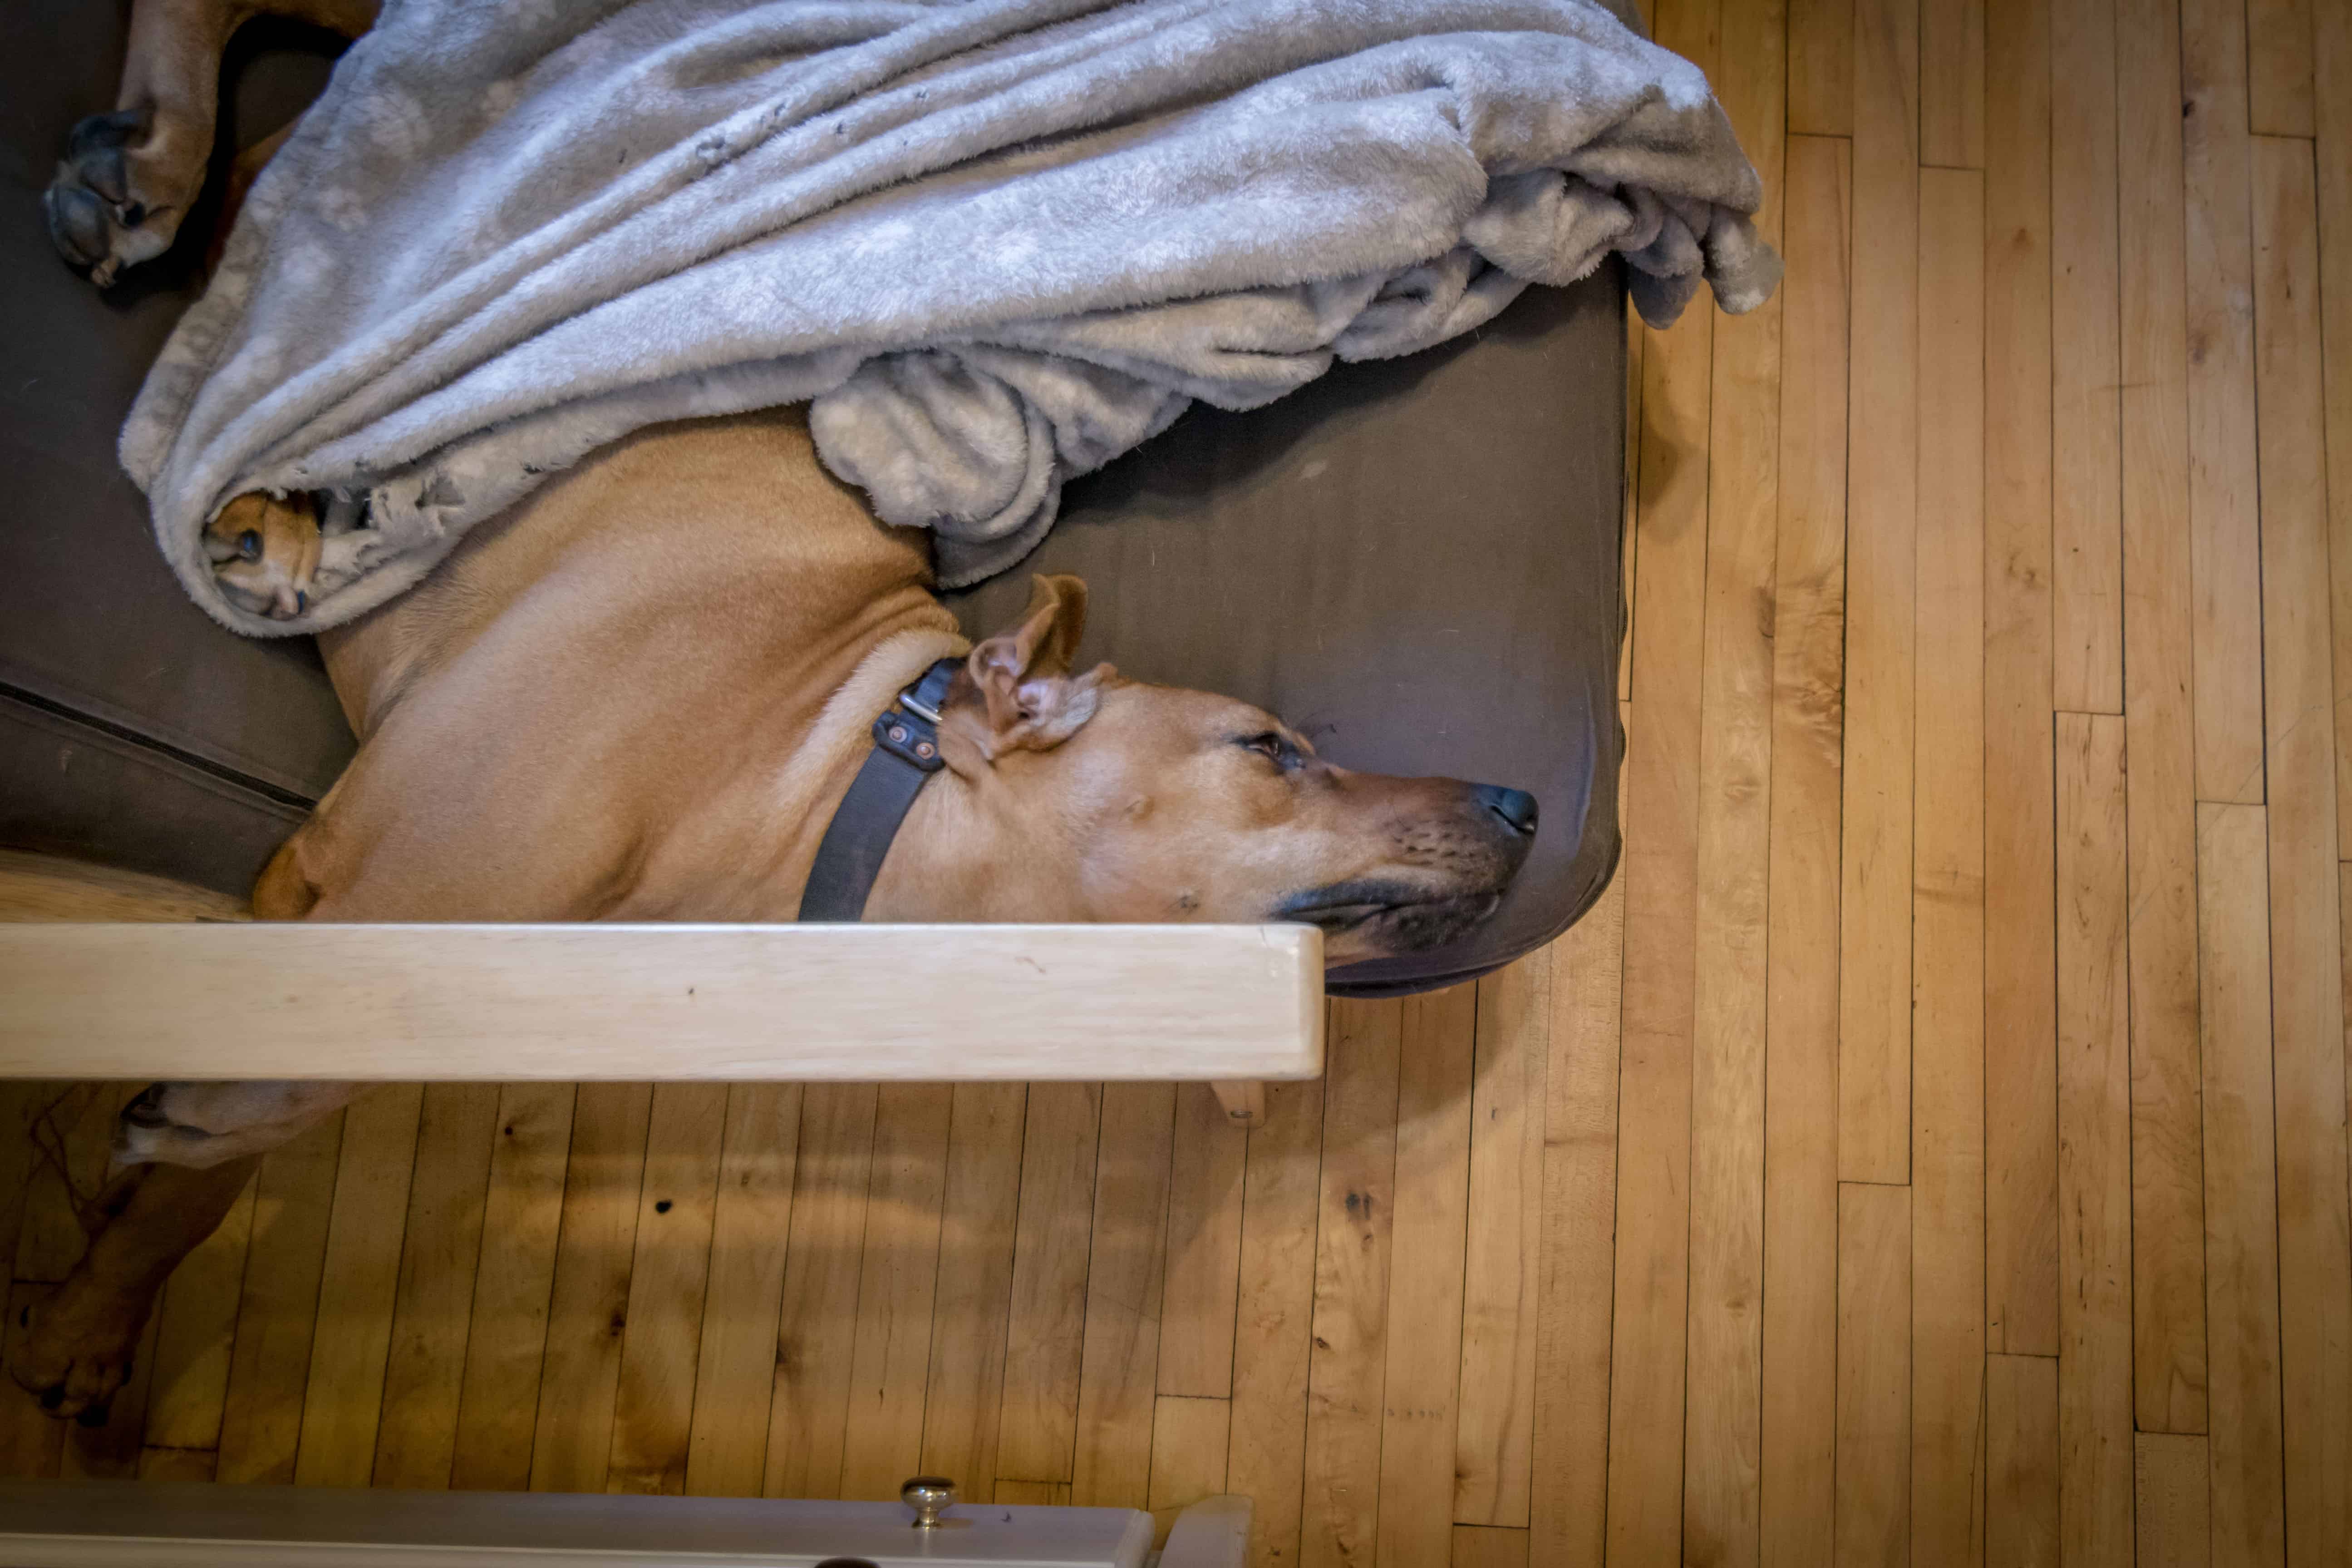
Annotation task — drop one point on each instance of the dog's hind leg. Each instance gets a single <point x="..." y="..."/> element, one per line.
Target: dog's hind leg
<point x="182" y="1151"/>
<point x="74" y="1347"/>
<point x="129" y="177"/>
<point x="185" y="1152"/>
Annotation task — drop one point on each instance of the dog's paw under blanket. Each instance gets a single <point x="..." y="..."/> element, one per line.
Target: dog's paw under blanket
<point x="996" y="243"/>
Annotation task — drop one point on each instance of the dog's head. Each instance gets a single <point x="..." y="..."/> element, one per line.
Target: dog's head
<point x="1167" y="805"/>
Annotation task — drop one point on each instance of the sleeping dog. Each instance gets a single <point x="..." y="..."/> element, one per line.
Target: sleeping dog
<point x="644" y="693"/>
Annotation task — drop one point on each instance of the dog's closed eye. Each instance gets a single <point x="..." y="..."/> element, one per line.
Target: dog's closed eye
<point x="1273" y="746"/>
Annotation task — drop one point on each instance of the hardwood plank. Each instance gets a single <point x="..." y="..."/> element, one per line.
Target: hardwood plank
<point x="965" y="1390"/>
<point x="51" y="888"/>
<point x="2168" y="1290"/>
<point x="2021" y="973"/>
<point x="1267" y="1450"/>
<point x="177" y="1464"/>
<point x="1874" y="1373"/>
<point x="2280" y="96"/>
<point x="2332" y="72"/>
<point x="2094" y="1325"/>
<point x="1421" y="1388"/>
<point x="498" y="1404"/>
<point x="1820" y="67"/>
<point x="2173" y="1514"/>
<point x="1948" y="1105"/>
<point x="1748" y="62"/>
<point x="816" y="1328"/>
<point x="2021" y="1461"/>
<point x="2086" y="504"/>
<point x="1567" y="1515"/>
<point x="1660" y="872"/>
<point x="735" y="1367"/>
<point x="1875" y="968"/>
<point x="32" y="1443"/>
<point x="424" y="1370"/>
<point x="898" y="1278"/>
<point x="358" y="1287"/>
<point x="1628" y="498"/>
<point x="1189" y="1441"/>
<point x="1801" y="1101"/>
<point x="653" y="1405"/>
<point x="1204" y="1237"/>
<point x="195" y="1331"/>
<point x="1721" y="1415"/>
<point x="1488" y="1546"/>
<point x="1355" y="1217"/>
<point x="1502" y="1265"/>
<point x="2241" y="1271"/>
<point x="1045" y="1342"/>
<point x="588" y="1305"/>
<point x="2315" y="1231"/>
<point x="1050" y="1494"/>
<point x="277" y="1308"/>
<point x="1952" y="83"/>
<point x="2225" y="541"/>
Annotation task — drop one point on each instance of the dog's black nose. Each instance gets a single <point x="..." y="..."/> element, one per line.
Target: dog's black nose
<point x="1516" y="807"/>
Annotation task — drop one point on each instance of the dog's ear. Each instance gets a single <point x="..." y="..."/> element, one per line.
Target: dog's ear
<point x="1015" y="691"/>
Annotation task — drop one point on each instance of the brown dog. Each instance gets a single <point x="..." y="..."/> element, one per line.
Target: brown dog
<point x="641" y="694"/>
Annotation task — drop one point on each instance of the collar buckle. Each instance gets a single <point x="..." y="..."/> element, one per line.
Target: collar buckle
<point x="913" y="703"/>
<point x="910" y="728"/>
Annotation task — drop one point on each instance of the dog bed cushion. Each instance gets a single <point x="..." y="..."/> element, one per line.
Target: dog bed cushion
<point x="1416" y="559"/>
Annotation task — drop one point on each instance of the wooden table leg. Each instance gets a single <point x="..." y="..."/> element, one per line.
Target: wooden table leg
<point x="1244" y="1101"/>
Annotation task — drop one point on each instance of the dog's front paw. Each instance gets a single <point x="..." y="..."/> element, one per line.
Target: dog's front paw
<point x="115" y="201"/>
<point x="265" y="552"/>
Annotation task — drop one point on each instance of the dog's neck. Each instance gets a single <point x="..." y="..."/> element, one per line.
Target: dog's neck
<point x="957" y="858"/>
<point x="815" y="780"/>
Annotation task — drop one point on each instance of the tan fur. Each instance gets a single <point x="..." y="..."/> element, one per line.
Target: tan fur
<point x="641" y="696"/>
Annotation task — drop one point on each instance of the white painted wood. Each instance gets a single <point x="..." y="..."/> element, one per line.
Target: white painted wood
<point x="1212" y="1533"/>
<point x="123" y="1524"/>
<point x="508" y="1002"/>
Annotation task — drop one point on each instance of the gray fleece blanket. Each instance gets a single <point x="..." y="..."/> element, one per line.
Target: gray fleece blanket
<point x="994" y="243"/>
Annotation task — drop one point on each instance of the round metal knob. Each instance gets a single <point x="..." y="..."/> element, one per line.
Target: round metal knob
<point x="929" y="1496"/>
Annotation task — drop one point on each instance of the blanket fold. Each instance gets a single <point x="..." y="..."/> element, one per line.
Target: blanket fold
<point x="993" y="244"/>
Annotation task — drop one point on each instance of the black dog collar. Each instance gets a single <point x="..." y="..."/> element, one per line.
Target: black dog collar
<point x="906" y="754"/>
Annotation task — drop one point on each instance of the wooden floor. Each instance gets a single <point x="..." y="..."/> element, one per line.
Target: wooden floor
<point x="1934" y="1148"/>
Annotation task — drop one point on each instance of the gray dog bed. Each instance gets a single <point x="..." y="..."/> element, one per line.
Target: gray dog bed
<point x="1415" y="560"/>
